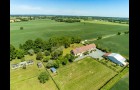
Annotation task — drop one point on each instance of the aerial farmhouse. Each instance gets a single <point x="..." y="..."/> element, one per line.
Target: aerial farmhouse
<point x="81" y="50"/>
<point x="116" y="58"/>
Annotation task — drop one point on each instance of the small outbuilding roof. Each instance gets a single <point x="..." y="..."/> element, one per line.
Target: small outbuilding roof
<point x="53" y="69"/>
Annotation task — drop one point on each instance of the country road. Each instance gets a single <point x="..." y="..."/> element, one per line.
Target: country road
<point x="106" y="36"/>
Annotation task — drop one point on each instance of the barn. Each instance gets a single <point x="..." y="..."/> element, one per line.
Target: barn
<point x="81" y="50"/>
<point x="116" y="58"/>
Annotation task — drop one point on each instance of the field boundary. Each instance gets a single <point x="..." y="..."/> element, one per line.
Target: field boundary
<point x="118" y="76"/>
<point x="51" y="77"/>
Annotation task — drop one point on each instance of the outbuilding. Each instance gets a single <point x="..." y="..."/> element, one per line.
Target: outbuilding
<point x="116" y="58"/>
<point x="53" y="70"/>
<point x="39" y="64"/>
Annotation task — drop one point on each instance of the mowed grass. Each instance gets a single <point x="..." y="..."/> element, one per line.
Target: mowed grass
<point x="27" y="79"/>
<point x="84" y="74"/>
<point x="123" y="84"/>
<point x="117" y="44"/>
<point x="48" y="28"/>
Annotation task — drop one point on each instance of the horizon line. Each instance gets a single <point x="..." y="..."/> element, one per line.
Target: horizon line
<point x="69" y="15"/>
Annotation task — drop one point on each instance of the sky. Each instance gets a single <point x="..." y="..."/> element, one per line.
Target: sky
<point x="107" y="8"/>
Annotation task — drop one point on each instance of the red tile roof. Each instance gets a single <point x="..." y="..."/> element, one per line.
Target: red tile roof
<point x="106" y="54"/>
<point x="83" y="48"/>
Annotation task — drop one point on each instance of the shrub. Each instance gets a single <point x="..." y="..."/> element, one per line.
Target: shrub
<point x="22" y="59"/>
<point x="21" y="28"/>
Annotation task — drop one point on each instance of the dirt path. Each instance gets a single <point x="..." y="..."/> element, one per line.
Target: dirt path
<point x="106" y="36"/>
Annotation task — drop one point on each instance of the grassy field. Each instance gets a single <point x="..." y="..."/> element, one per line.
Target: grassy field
<point x="118" y="44"/>
<point x="123" y="84"/>
<point x="47" y="28"/>
<point x="27" y="79"/>
<point x="84" y="74"/>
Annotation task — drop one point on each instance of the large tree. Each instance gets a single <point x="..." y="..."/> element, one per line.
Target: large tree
<point x="12" y="52"/>
<point x="39" y="56"/>
<point x="43" y="77"/>
<point x="20" y="53"/>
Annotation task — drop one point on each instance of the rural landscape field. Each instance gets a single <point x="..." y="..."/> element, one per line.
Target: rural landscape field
<point x="68" y="51"/>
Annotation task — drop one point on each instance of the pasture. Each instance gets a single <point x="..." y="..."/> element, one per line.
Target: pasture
<point x="83" y="74"/>
<point x="117" y="44"/>
<point x="48" y="28"/>
<point x="27" y="79"/>
<point x="123" y="84"/>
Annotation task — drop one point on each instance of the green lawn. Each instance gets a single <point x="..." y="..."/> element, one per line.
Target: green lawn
<point x="47" y="28"/>
<point x="118" y="44"/>
<point x="27" y="79"/>
<point x="123" y="84"/>
<point x="84" y="74"/>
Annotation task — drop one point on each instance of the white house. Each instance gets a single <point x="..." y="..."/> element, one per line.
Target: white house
<point x="81" y="50"/>
<point x="116" y="58"/>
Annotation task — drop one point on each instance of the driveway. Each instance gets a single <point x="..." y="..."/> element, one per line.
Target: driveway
<point x="95" y="54"/>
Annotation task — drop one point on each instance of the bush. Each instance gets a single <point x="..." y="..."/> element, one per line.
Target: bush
<point x="46" y="59"/>
<point x="22" y="59"/>
<point x="21" y="28"/>
<point x="43" y="77"/>
<point x="100" y="37"/>
<point x="119" y="33"/>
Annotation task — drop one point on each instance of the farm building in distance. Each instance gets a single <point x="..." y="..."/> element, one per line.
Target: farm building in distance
<point x="116" y="58"/>
<point x="81" y="50"/>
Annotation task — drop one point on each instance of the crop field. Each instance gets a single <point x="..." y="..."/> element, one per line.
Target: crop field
<point x="48" y="28"/>
<point x="123" y="84"/>
<point x="27" y="79"/>
<point x="84" y="74"/>
<point x="117" y="44"/>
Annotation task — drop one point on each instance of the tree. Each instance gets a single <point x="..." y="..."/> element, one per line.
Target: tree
<point x="39" y="56"/>
<point x="46" y="59"/>
<point x="100" y="37"/>
<point x="31" y="52"/>
<point x="50" y="64"/>
<point x="19" y="53"/>
<point x="64" y="61"/>
<point x="12" y="52"/>
<point x="47" y="53"/>
<point x="21" y="28"/>
<point x="43" y="77"/>
<point x="72" y="57"/>
<point x="119" y="33"/>
<point x="38" y="43"/>
<point x="56" y="64"/>
<point x="126" y="32"/>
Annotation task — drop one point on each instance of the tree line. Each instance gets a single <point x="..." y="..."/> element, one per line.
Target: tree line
<point x="50" y="47"/>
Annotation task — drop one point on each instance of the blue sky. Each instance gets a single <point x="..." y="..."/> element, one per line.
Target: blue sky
<point x="111" y="8"/>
